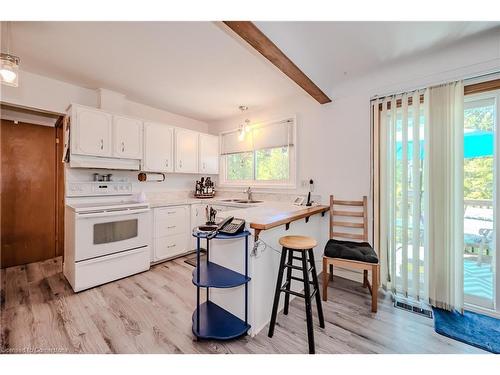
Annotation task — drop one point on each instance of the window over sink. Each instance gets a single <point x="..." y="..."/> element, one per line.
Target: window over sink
<point x="262" y="156"/>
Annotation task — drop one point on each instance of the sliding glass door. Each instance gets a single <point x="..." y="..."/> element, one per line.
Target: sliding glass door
<point x="481" y="164"/>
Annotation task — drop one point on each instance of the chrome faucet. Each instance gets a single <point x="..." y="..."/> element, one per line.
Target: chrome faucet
<point x="249" y="193"/>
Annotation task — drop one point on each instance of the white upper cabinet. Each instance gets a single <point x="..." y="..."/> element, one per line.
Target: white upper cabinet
<point x="127" y="137"/>
<point x="91" y="132"/>
<point x="158" y="148"/>
<point x="209" y="154"/>
<point x="186" y="151"/>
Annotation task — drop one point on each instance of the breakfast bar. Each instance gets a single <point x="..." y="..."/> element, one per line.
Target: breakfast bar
<point x="267" y="223"/>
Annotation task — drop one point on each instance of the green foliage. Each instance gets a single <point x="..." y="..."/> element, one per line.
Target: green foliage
<point x="270" y="165"/>
<point x="480" y="118"/>
<point x="478" y="172"/>
<point x="478" y="178"/>
<point x="240" y="166"/>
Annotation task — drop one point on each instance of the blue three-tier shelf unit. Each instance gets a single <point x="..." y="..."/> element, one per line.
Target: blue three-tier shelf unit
<point x="210" y="321"/>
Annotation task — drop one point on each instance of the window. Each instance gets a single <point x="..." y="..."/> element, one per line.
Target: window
<point x="262" y="156"/>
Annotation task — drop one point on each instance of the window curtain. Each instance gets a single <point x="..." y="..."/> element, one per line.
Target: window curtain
<point x="444" y="187"/>
<point x="270" y="135"/>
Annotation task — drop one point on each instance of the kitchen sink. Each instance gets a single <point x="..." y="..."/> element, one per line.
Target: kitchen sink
<point x="240" y="201"/>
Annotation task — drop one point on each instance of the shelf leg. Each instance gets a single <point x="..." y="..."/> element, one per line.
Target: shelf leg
<point x="246" y="275"/>
<point x="208" y="251"/>
<point x="197" y="287"/>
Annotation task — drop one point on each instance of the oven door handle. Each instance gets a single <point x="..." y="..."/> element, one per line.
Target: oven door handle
<point x="111" y="213"/>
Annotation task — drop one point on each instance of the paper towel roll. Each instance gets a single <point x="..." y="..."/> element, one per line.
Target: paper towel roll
<point x="151" y="177"/>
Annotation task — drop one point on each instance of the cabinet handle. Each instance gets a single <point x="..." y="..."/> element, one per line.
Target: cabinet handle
<point x="171" y="227"/>
<point x="170" y="246"/>
<point x="123" y="146"/>
<point x="170" y="212"/>
<point x="102" y="144"/>
<point x="204" y="167"/>
<point x="166" y="163"/>
<point x="180" y="163"/>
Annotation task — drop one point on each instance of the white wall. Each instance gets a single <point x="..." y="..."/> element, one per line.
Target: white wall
<point x="47" y="94"/>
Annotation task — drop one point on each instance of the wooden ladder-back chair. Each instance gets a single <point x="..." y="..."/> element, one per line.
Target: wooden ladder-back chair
<point x="358" y="255"/>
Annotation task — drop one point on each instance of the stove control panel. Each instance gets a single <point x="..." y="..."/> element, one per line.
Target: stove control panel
<point x="93" y="189"/>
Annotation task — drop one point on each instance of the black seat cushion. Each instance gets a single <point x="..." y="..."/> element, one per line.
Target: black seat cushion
<point x="361" y="251"/>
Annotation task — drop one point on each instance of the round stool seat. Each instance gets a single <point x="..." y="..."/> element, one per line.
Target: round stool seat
<point x="298" y="242"/>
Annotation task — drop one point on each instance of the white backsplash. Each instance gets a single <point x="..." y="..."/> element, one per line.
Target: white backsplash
<point x="174" y="182"/>
<point x="176" y="186"/>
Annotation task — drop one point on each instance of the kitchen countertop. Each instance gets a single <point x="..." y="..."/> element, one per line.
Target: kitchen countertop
<point x="154" y="203"/>
<point x="260" y="216"/>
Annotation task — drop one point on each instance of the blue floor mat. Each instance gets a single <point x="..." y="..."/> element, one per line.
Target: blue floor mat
<point x="474" y="329"/>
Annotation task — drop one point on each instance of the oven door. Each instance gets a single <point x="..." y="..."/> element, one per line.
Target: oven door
<point x="103" y="233"/>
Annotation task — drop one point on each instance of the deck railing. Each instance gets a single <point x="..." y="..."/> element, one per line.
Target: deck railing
<point x="480" y="203"/>
<point x="483" y="247"/>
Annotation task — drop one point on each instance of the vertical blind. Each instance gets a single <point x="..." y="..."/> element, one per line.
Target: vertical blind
<point x="401" y="168"/>
<point x="419" y="206"/>
<point x="272" y="135"/>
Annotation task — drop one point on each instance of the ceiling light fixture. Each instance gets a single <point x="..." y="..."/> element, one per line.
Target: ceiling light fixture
<point x="9" y="64"/>
<point x="245" y="126"/>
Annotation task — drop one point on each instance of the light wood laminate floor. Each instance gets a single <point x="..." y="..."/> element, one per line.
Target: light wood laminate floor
<point x="151" y="313"/>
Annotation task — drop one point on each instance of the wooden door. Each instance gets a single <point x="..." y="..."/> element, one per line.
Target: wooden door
<point x="209" y="154"/>
<point x="186" y="151"/>
<point x="127" y="137"/>
<point x="158" y="148"/>
<point x="28" y="198"/>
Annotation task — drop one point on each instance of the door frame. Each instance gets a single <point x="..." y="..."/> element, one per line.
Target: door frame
<point x="60" y="126"/>
<point x="474" y="303"/>
<point x="61" y="121"/>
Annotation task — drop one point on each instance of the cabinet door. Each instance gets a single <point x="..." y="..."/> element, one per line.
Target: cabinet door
<point x="127" y="137"/>
<point x="171" y="246"/>
<point x="186" y="151"/>
<point x="209" y="154"/>
<point x="91" y="132"/>
<point x="158" y="148"/>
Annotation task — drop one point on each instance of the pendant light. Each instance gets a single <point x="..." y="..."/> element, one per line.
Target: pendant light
<point x="245" y="126"/>
<point x="9" y="64"/>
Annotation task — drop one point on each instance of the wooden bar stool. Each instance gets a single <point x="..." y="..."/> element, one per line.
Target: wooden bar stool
<point x="305" y="246"/>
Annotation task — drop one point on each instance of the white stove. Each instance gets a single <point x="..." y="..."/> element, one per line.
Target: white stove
<point x="107" y="236"/>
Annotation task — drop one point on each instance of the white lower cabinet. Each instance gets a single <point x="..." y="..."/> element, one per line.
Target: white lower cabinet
<point x="171" y="234"/>
<point x="173" y="225"/>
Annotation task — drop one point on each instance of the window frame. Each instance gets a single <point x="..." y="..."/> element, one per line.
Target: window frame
<point x="472" y="302"/>
<point x="291" y="183"/>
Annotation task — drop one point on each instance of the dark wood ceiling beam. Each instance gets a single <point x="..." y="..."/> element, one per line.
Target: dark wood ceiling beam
<point x="262" y="44"/>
